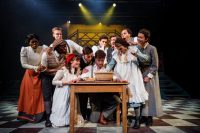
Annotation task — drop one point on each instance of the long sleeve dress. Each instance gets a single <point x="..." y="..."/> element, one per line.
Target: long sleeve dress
<point x="126" y="67"/>
<point x="30" y="103"/>
<point x="150" y="68"/>
<point x="60" y="114"/>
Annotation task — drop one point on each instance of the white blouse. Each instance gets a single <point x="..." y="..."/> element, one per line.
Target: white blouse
<point x="30" y="58"/>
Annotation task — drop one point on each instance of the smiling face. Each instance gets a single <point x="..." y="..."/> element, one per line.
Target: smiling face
<point x="57" y="34"/>
<point x="141" y="39"/>
<point x="34" y="43"/>
<point x="75" y="63"/>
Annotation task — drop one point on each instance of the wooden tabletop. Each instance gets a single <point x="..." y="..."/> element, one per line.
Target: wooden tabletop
<point x="99" y="83"/>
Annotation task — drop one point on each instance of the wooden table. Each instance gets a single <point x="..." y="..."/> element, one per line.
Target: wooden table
<point x="98" y="87"/>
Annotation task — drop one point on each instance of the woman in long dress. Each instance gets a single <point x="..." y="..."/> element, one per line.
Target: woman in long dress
<point x="152" y="108"/>
<point x="60" y="114"/>
<point x="30" y="103"/>
<point x="126" y="67"/>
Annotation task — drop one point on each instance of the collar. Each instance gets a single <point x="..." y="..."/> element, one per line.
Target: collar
<point x="102" y="48"/>
<point x="146" y="44"/>
<point x="84" y="59"/>
<point x="97" y="69"/>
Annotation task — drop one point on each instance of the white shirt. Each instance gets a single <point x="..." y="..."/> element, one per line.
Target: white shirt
<point x="91" y="71"/>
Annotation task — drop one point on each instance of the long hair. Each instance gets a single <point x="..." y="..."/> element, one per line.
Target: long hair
<point x="68" y="64"/>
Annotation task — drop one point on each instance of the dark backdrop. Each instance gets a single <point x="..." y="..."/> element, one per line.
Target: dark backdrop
<point x="170" y="21"/>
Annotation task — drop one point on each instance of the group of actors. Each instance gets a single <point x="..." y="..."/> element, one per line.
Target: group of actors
<point x="45" y="87"/>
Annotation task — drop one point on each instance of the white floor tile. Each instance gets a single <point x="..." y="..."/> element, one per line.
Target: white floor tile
<point x="184" y="116"/>
<point x="178" y="122"/>
<point x="33" y="125"/>
<point x="188" y="112"/>
<point x="166" y="129"/>
<point x="55" y="130"/>
<point x="109" y="129"/>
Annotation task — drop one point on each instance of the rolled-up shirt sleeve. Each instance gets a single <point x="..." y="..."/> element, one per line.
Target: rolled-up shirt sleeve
<point x="75" y="46"/>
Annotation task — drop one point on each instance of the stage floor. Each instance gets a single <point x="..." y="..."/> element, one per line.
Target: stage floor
<point x="181" y="116"/>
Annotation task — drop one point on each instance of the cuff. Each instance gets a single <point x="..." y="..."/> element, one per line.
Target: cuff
<point x="60" y="83"/>
<point x="35" y="68"/>
<point x="150" y="75"/>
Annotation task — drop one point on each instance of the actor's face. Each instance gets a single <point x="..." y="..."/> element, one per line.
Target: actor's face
<point x="125" y="35"/>
<point x="34" y="43"/>
<point x="141" y="39"/>
<point x="112" y="41"/>
<point x="62" y="49"/>
<point x="103" y="42"/>
<point x="99" y="62"/>
<point x="75" y="63"/>
<point x="57" y="34"/>
<point x="121" y="48"/>
<point x="88" y="57"/>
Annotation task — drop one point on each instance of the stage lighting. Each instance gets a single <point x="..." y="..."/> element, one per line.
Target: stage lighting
<point x="80" y="4"/>
<point x="114" y="4"/>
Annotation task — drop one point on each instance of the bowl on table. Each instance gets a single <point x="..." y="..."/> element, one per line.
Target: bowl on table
<point x="103" y="76"/>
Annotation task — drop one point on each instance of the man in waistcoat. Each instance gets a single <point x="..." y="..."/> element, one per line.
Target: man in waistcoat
<point x="53" y="59"/>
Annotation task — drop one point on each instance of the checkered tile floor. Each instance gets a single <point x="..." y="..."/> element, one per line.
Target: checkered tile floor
<point x="181" y="116"/>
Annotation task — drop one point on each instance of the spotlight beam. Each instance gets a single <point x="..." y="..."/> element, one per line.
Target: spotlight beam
<point x="108" y="14"/>
<point x="87" y="14"/>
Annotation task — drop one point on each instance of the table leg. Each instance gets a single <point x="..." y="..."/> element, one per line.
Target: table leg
<point x="118" y="114"/>
<point x="124" y="111"/>
<point x="72" y="108"/>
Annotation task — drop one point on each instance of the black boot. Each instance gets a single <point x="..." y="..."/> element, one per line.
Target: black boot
<point x="137" y="123"/>
<point x="142" y="119"/>
<point x="48" y="122"/>
<point x="149" y="121"/>
<point x="48" y="112"/>
<point x="137" y="118"/>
